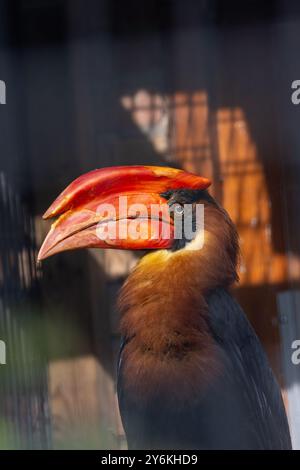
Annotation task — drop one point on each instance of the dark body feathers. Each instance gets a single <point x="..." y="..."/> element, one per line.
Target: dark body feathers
<point x="241" y="408"/>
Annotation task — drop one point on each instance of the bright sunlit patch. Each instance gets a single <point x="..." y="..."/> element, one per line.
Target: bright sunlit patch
<point x="151" y="115"/>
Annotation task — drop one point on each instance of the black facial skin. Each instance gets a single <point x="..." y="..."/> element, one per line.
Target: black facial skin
<point x="186" y="196"/>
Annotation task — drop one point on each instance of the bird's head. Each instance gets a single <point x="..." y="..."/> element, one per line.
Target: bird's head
<point x="126" y="207"/>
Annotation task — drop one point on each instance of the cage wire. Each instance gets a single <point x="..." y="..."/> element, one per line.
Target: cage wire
<point x="24" y="410"/>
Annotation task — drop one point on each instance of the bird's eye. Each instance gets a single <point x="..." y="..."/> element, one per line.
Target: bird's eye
<point x="178" y="209"/>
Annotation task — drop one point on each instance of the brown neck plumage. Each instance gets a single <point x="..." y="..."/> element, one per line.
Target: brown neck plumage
<point x="164" y="311"/>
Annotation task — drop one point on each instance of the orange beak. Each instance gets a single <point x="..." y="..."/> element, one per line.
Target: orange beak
<point x="117" y="207"/>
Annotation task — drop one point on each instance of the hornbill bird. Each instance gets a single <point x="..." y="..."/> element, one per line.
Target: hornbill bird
<point x="192" y="373"/>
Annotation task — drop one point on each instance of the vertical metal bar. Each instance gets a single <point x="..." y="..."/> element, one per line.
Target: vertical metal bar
<point x="289" y="303"/>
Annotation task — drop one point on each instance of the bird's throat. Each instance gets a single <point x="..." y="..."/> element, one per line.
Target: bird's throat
<point x="162" y="301"/>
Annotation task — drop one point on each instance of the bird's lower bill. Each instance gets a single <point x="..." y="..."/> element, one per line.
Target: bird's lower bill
<point x="127" y="234"/>
<point x="106" y="227"/>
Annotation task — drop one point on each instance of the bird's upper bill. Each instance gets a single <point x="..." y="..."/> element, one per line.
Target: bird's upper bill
<point x="118" y="207"/>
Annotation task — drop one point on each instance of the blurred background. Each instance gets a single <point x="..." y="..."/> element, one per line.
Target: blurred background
<point x="201" y="85"/>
